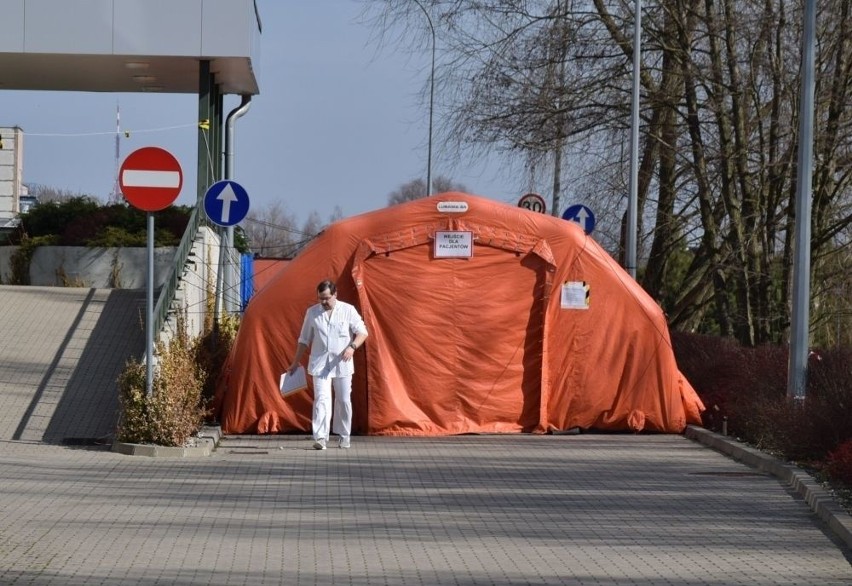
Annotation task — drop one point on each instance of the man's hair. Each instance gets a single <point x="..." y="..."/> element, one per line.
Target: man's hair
<point x="327" y="284"/>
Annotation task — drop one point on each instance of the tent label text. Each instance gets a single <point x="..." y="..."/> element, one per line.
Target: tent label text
<point x="455" y="244"/>
<point x="452" y="207"/>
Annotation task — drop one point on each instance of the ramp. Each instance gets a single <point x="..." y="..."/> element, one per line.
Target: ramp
<point x="61" y="351"/>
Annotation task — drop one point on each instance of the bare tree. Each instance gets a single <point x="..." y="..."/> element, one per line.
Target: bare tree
<point x="272" y="231"/>
<point x="442" y="184"/>
<point x="313" y="225"/>
<point x="45" y="193"/>
<point x="416" y="188"/>
<point x="549" y="81"/>
<point x="335" y="215"/>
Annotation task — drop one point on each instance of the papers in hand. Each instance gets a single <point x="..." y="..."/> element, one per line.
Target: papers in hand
<point x="293" y="383"/>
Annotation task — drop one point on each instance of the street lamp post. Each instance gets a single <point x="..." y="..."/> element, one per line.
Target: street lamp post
<point x="632" y="223"/>
<point x="797" y="368"/>
<point x="431" y="101"/>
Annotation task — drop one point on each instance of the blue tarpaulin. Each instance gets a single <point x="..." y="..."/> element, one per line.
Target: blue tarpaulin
<point x="246" y="280"/>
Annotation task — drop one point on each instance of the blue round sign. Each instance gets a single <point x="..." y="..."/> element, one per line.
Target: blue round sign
<point x="582" y="215"/>
<point x="226" y="203"/>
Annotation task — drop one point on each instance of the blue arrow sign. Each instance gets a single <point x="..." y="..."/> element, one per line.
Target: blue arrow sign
<point x="226" y="203"/>
<point x="582" y="215"/>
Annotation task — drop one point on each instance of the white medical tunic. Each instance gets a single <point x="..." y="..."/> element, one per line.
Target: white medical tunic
<point x="328" y="335"/>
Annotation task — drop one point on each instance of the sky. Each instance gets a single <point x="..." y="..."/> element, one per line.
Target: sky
<point x="339" y="121"/>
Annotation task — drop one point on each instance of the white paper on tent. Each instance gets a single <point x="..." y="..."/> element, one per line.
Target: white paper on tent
<point x="293" y="383"/>
<point x="575" y="295"/>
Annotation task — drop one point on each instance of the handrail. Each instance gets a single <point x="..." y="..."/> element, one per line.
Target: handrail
<point x="169" y="288"/>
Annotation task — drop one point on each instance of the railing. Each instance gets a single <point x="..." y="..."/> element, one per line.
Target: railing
<point x="167" y="292"/>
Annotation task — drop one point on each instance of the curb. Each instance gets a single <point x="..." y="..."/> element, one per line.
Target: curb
<point x="206" y="441"/>
<point x="819" y="500"/>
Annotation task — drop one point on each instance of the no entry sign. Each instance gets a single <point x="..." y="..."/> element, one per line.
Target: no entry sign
<point x="150" y="179"/>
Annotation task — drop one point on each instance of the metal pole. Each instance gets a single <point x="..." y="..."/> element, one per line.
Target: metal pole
<point x="220" y="278"/>
<point x="228" y="243"/>
<point x="149" y="311"/>
<point x="799" y="331"/>
<point x="633" y="198"/>
<point x="431" y="102"/>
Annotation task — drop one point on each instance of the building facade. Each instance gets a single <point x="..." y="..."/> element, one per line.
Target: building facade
<point x="12" y="188"/>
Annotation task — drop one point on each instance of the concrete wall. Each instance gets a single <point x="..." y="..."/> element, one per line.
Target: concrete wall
<point x="197" y="281"/>
<point x="125" y="268"/>
<point x="100" y="268"/>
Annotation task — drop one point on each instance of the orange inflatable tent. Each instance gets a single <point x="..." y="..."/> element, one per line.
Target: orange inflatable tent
<point x="482" y="317"/>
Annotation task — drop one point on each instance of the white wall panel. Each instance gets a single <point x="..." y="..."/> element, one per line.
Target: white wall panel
<point x="55" y="26"/>
<point x="157" y="27"/>
<point x="11" y="26"/>
<point x="229" y="27"/>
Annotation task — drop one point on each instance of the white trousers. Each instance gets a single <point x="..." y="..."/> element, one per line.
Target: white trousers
<point x="322" y="415"/>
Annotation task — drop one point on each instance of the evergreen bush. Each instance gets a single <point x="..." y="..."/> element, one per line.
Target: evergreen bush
<point x="82" y="221"/>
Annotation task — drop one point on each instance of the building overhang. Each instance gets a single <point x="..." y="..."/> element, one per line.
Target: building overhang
<point x="128" y="45"/>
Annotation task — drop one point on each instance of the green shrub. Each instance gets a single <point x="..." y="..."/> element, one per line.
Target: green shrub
<point x="82" y="221"/>
<point x="114" y="237"/>
<point x="53" y="217"/>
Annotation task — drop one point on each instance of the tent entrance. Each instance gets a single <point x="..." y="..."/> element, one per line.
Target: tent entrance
<point x="455" y="344"/>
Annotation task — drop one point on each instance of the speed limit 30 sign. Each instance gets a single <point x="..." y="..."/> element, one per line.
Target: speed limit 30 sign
<point x="533" y="202"/>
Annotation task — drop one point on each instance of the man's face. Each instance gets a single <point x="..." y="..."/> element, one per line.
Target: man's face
<point x="327" y="299"/>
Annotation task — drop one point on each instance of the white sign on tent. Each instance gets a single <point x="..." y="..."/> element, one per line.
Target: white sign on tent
<point x="453" y="244"/>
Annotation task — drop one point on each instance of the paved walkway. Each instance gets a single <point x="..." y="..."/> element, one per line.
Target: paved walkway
<point x="585" y="509"/>
<point x="61" y="351"/>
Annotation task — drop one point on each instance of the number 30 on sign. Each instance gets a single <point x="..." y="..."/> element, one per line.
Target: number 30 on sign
<point x="533" y="202"/>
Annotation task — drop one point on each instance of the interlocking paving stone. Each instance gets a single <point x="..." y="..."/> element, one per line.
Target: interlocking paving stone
<point x="504" y="509"/>
<point x="589" y="509"/>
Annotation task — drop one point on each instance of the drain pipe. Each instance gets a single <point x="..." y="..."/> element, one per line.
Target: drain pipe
<point x="225" y="276"/>
<point x="237" y="112"/>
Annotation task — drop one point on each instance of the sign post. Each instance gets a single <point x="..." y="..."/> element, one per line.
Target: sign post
<point x="150" y="179"/>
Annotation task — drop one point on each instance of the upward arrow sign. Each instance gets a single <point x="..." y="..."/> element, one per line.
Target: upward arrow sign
<point x="227" y="197"/>
<point x="226" y="203"/>
<point x="582" y="216"/>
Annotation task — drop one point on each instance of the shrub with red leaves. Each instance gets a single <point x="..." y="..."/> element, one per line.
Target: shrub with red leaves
<point x="709" y="363"/>
<point x="748" y="388"/>
<point x="839" y="464"/>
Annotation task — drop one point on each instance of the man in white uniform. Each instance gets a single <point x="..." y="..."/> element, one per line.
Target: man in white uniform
<point x="334" y="330"/>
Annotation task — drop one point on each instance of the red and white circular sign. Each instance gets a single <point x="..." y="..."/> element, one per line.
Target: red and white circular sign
<point x="150" y="178"/>
<point x="533" y="202"/>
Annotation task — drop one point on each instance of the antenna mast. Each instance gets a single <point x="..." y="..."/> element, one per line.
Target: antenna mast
<point x="116" y="196"/>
